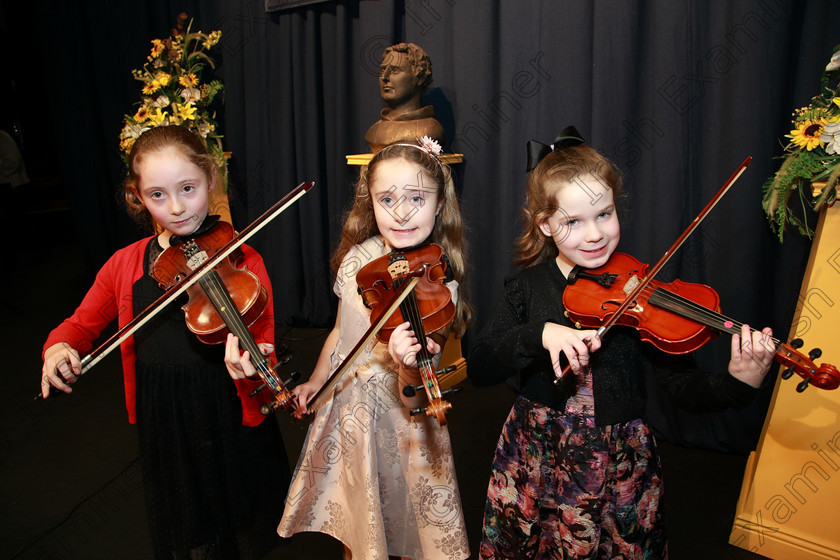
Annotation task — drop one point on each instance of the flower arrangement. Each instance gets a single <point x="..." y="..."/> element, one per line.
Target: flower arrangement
<point x="812" y="155"/>
<point x="173" y="93"/>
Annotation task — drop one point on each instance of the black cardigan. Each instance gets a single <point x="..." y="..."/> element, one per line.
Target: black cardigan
<point x="511" y="344"/>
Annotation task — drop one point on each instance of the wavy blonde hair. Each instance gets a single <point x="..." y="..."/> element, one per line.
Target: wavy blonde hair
<point x="557" y="170"/>
<point x="448" y="231"/>
<point x="173" y="138"/>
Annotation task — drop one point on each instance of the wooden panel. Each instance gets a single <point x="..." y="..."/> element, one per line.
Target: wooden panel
<point x="791" y="492"/>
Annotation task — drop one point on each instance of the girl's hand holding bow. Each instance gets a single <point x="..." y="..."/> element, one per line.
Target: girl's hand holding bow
<point x="574" y="344"/>
<point x="61" y="368"/>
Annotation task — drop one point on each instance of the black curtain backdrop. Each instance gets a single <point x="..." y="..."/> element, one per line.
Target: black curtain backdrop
<point x="678" y="93"/>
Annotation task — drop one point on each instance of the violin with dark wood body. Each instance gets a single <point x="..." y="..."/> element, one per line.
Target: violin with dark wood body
<point x="429" y="308"/>
<point x="225" y="299"/>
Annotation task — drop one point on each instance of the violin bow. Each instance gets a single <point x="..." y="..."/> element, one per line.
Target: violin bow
<point x="324" y="392"/>
<point x="654" y="270"/>
<point x="147" y="314"/>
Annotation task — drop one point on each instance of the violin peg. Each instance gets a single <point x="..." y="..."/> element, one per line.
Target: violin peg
<point x="788" y="373"/>
<point x="814" y="354"/>
<point x="294" y="376"/>
<point x="796" y="343"/>
<point x="802" y="386"/>
<point x="447" y="369"/>
<point x="450" y="391"/>
<point x="256" y="391"/>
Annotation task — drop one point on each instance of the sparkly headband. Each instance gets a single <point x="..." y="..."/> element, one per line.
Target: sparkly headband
<point x="537" y="151"/>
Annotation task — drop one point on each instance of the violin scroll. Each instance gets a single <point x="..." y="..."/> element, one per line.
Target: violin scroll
<point x="825" y="376"/>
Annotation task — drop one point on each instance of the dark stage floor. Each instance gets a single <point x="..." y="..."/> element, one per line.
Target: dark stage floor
<point x="70" y="484"/>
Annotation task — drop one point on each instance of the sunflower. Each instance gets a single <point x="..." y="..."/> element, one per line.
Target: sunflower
<point x="807" y="134"/>
<point x="188" y="80"/>
<point x="151" y="87"/>
<point x="157" y="48"/>
<point x="142" y="113"/>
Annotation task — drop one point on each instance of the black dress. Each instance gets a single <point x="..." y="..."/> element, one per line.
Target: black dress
<point x="214" y="488"/>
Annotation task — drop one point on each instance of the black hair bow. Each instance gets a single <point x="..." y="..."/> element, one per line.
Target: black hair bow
<point x="537" y="151"/>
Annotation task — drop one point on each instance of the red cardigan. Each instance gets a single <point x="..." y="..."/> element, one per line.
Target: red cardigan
<point x="111" y="296"/>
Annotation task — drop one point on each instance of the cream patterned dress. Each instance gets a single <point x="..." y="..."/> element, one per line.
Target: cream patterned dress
<point x="370" y="475"/>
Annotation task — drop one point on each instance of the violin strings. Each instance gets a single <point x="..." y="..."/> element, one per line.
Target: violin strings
<point x="411" y="311"/>
<point x="220" y="296"/>
<point x="695" y="311"/>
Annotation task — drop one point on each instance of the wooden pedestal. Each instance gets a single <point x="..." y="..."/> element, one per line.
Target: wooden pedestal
<point x="790" y="497"/>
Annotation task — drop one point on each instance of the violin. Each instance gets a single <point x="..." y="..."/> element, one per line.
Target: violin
<point x="429" y="308"/>
<point x="128" y="330"/>
<point x="225" y="299"/>
<point x="677" y="317"/>
<point x="399" y="287"/>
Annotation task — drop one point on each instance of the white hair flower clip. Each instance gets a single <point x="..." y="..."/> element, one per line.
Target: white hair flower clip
<point x="430" y="145"/>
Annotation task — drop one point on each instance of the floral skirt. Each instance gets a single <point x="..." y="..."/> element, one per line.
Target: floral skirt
<point x="562" y="487"/>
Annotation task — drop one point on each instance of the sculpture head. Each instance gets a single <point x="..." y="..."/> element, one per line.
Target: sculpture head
<point x="405" y="73"/>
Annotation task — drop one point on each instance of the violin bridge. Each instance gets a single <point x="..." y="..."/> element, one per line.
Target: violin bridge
<point x="194" y="254"/>
<point x="398" y="268"/>
<point x="628" y="289"/>
<point x="631" y="285"/>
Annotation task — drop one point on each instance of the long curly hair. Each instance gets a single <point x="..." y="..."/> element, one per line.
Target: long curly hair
<point x="448" y="231"/>
<point x="173" y="138"/>
<point x="557" y="170"/>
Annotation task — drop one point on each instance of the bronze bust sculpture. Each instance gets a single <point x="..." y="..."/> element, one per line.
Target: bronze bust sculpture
<point x="404" y="75"/>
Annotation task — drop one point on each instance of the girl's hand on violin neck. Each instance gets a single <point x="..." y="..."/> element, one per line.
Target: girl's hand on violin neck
<point x="62" y="367"/>
<point x="404" y="346"/>
<point x="238" y="363"/>
<point x="574" y="344"/>
<point x="752" y="355"/>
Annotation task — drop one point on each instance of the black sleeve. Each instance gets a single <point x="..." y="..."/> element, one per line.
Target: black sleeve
<point x="509" y="342"/>
<point x="697" y="390"/>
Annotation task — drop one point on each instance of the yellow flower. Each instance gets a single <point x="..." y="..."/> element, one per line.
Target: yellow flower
<point x="163" y="79"/>
<point x="126" y="144"/>
<point x="836" y="101"/>
<point x="188" y="80"/>
<point x="142" y="114"/>
<point x="151" y="87"/>
<point x="807" y="134"/>
<point x="157" y="47"/>
<point x="184" y="112"/>
<point x="156" y="117"/>
<point x="212" y="39"/>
